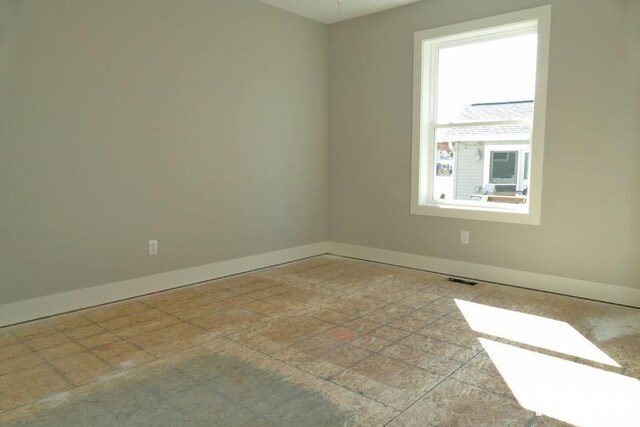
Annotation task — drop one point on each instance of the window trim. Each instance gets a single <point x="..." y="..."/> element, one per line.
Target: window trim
<point x="423" y="108"/>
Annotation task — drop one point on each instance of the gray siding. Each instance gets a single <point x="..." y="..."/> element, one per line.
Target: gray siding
<point x="469" y="170"/>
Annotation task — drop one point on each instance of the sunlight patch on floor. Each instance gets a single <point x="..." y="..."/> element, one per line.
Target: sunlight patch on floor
<point x="568" y="391"/>
<point x="533" y="330"/>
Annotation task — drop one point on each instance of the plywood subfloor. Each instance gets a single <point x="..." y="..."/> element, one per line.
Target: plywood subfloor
<point x="323" y="341"/>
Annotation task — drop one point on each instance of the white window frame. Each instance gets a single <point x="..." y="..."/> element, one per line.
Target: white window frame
<point x="424" y="98"/>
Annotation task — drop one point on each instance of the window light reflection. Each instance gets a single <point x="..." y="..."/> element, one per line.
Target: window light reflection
<point x="565" y="390"/>
<point x="533" y="330"/>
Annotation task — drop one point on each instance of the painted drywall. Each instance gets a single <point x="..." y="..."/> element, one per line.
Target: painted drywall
<point x="202" y="124"/>
<point x="590" y="226"/>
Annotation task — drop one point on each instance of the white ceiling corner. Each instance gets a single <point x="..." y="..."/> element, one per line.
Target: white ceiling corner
<point x="332" y="11"/>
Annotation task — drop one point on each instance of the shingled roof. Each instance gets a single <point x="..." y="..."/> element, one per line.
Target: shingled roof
<point x="485" y="112"/>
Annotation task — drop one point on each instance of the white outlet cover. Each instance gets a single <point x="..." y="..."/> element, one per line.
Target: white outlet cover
<point x="153" y="247"/>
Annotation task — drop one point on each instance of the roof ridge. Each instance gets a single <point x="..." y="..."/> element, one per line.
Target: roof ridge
<point x="502" y="103"/>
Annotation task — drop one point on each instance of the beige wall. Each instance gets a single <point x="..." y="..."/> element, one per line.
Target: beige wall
<point x="202" y="124"/>
<point x="591" y="196"/>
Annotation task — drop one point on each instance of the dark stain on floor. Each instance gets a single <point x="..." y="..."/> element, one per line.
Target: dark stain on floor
<point x="211" y="390"/>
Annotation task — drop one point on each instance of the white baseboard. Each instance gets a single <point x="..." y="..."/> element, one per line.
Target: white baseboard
<point x="36" y="308"/>
<point x="542" y="282"/>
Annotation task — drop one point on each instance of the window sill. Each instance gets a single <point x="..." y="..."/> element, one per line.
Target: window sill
<point x="477" y="213"/>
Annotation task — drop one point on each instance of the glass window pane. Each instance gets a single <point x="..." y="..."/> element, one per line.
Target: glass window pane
<point x="499" y="70"/>
<point x="478" y="163"/>
<point x="503" y="167"/>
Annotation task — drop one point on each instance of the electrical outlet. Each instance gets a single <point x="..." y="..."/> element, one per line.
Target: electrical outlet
<point x="153" y="247"/>
<point x="464" y="237"/>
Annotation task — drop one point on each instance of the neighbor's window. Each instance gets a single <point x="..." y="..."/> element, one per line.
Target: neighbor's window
<point x="479" y="106"/>
<point x="503" y="167"/>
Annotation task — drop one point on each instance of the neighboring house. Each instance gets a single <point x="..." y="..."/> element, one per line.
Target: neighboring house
<point x="486" y="159"/>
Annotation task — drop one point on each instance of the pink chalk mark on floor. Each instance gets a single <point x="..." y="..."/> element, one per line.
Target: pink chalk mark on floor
<point x="344" y="335"/>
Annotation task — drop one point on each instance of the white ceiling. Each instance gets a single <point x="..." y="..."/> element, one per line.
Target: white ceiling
<point x="331" y="11"/>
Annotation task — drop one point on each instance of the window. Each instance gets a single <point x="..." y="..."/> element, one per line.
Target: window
<point x="479" y="107"/>
<point x="503" y="167"/>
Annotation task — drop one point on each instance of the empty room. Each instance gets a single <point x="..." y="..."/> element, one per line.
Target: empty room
<point x="320" y="213"/>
